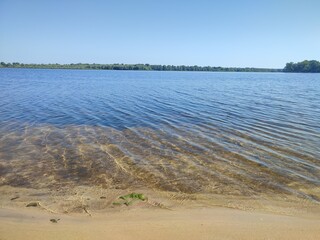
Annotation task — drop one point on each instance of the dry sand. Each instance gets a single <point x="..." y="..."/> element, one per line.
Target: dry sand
<point x="204" y="223"/>
<point x="88" y="213"/>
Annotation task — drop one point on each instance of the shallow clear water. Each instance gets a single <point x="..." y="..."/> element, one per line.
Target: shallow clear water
<point x="240" y="134"/>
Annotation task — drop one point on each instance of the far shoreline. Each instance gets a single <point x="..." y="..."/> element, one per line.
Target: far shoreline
<point x="137" y="67"/>
<point x="139" y="70"/>
<point x="306" y="66"/>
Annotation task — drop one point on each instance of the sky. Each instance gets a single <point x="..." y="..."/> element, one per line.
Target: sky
<point x="227" y="33"/>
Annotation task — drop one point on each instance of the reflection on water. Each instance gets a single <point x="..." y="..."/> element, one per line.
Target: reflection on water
<point x="205" y="133"/>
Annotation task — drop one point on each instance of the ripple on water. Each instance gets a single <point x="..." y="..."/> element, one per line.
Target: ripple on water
<point x="175" y="160"/>
<point x="236" y="134"/>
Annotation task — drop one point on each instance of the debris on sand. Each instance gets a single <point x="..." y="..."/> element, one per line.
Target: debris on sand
<point x="54" y="220"/>
<point x="32" y="204"/>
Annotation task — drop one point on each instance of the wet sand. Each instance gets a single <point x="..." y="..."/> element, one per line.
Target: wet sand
<point x="89" y="213"/>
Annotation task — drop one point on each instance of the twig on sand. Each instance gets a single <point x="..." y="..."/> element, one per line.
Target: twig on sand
<point x="36" y="204"/>
<point x="86" y="210"/>
<point x="158" y="204"/>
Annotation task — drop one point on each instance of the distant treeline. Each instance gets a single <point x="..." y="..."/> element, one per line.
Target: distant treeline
<point x="306" y="66"/>
<point x="145" y="67"/>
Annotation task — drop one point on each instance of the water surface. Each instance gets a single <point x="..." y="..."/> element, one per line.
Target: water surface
<point x="238" y="134"/>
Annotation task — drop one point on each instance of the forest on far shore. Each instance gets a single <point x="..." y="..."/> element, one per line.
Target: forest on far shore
<point x="141" y="67"/>
<point x="306" y="66"/>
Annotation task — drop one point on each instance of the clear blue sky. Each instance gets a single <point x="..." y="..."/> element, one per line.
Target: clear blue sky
<point x="217" y="33"/>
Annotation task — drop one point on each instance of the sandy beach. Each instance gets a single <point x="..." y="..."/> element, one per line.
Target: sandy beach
<point x="205" y="223"/>
<point x="89" y="213"/>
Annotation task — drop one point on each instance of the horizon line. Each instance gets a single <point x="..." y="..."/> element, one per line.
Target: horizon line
<point x="136" y="64"/>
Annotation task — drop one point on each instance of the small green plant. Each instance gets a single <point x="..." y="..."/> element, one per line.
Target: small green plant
<point x="130" y="199"/>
